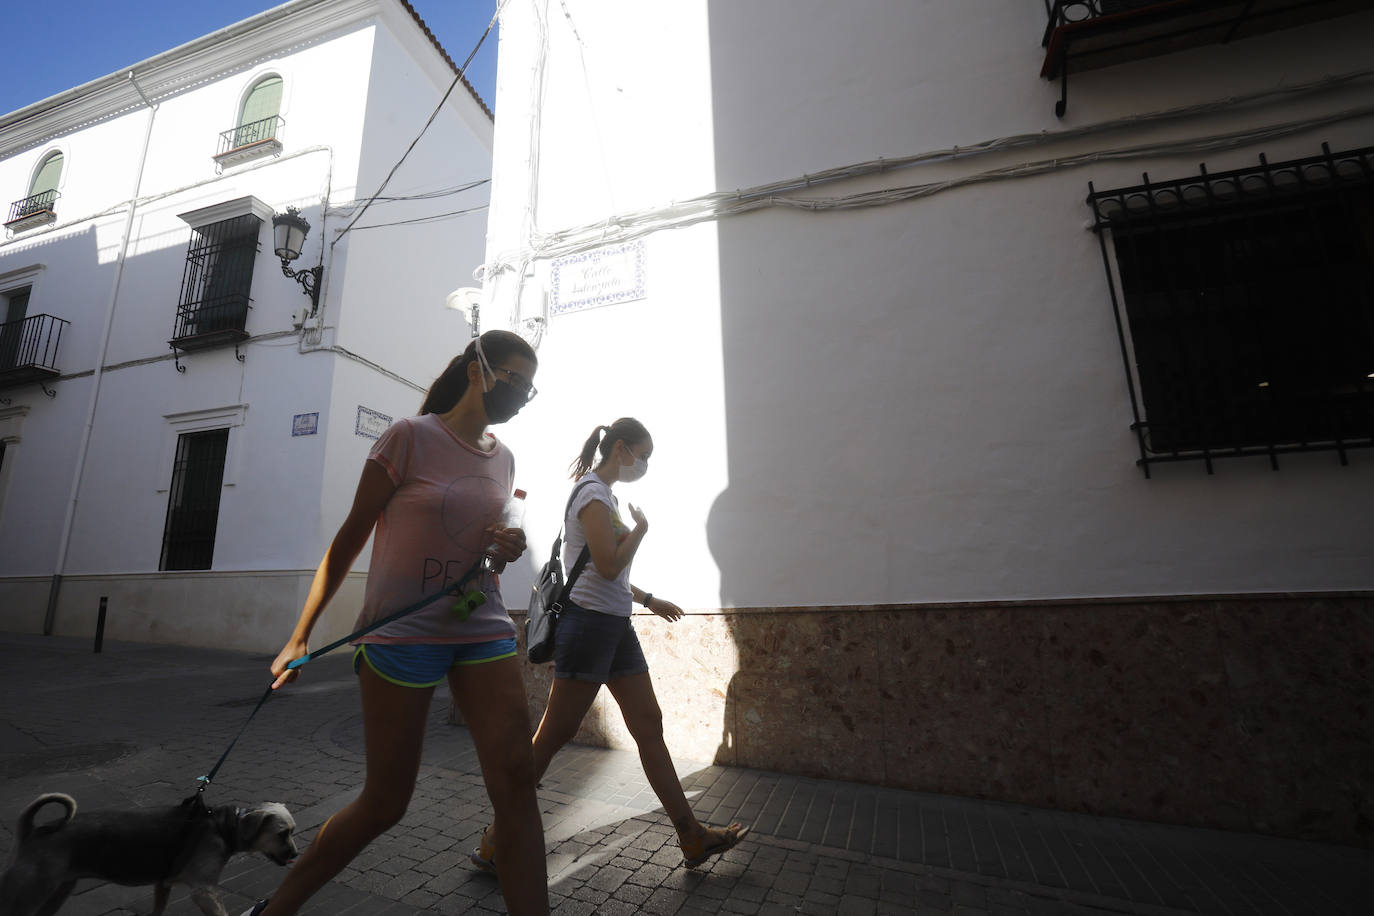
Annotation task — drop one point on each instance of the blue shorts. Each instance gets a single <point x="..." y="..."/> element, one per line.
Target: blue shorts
<point x="592" y="646"/>
<point x="427" y="664"/>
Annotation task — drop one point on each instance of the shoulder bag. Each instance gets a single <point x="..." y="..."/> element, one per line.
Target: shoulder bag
<point x="549" y="592"/>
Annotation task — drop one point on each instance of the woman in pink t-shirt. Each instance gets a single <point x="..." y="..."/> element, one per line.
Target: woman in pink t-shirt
<point x="433" y="488"/>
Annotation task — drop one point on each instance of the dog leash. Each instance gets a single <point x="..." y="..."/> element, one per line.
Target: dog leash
<point x="466" y="604"/>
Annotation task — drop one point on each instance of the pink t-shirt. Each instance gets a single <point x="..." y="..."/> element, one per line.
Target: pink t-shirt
<point x="432" y="531"/>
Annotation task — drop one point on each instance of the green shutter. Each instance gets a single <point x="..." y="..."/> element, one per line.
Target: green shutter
<point x="48" y="174"/>
<point x="264" y="101"/>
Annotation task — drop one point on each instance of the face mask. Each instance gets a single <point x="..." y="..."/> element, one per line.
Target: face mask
<point x="502" y="401"/>
<point x="631" y="473"/>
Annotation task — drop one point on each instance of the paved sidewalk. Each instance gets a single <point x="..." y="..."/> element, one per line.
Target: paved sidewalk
<point x="135" y="725"/>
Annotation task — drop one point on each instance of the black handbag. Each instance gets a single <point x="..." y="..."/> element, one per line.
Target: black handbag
<point x="549" y="592"/>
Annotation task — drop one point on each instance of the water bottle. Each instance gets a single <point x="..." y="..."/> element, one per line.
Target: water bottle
<point x="512" y="516"/>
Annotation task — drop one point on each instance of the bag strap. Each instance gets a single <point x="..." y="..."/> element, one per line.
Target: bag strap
<point x="582" y="557"/>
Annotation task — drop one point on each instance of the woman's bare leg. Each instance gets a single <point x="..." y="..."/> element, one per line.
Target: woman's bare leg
<point x="491" y="697"/>
<point x="569" y="700"/>
<point x="644" y="719"/>
<point x="394" y="719"/>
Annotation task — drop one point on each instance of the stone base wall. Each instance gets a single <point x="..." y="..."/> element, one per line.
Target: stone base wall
<point x="253" y="611"/>
<point x="1236" y="712"/>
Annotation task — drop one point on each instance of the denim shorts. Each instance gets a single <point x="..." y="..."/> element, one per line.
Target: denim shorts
<point x="592" y="646"/>
<point x="427" y="664"/>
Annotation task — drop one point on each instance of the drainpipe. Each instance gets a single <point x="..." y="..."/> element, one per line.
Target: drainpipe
<point x="50" y="617"/>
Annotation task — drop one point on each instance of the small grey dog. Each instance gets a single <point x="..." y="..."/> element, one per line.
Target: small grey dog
<point x="183" y="844"/>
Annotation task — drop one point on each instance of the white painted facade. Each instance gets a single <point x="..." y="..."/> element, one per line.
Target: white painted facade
<point x="85" y="475"/>
<point x="915" y="402"/>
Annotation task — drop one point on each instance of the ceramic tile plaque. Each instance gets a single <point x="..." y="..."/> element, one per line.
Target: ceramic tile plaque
<point x="371" y="423"/>
<point x="305" y="424"/>
<point x="592" y="279"/>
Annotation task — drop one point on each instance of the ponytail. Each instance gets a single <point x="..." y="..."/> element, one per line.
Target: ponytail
<point x="449" y="388"/>
<point x="626" y="429"/>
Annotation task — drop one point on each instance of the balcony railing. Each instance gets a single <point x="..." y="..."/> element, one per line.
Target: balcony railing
<point x="28" y="349"/>
<point x="1087" y="34"/>
<point x="248" y="141"/>
<point x="35" y="210"/>
<point x="210" y="323"/>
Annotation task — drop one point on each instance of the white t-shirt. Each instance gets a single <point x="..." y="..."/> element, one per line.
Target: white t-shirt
<point x="592" y="590"/>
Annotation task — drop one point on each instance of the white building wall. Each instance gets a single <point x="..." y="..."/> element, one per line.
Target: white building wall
<point x="919" y="402"/>
<point x="283" y="496"/>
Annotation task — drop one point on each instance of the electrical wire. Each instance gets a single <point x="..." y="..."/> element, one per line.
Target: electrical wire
<point x="431" y="195"/>
<point x="639" y="223"/>
<point x="423" y="219"/>
<point x="458" y="78"/>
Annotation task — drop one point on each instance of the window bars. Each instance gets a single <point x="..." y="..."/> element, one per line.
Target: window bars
<point x="216" y="284"/>
<point x="1246" y="308"/>
<point x="188" y="539"/>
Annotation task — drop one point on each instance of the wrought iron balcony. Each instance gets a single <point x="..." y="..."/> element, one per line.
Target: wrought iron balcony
<point x="249" y="141"/>
<point x="210" y="323"/>
<point x="28" y="349"/>
<point x="37" y="210"/>
<point x="1087" y="34"/>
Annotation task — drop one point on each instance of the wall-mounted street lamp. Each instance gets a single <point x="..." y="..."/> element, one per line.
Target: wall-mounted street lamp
<point x="468" y="300"/>
<point x="289" y="230"/>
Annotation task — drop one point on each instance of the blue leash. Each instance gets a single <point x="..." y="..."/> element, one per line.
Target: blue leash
<point x="463" y="607"/>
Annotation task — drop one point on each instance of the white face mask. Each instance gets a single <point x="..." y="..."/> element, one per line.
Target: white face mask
<point x="632" y="472"/>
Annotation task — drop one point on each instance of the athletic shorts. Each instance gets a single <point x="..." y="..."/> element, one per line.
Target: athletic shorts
<point x="427" y="664"/>
<point x="597" y="647"/>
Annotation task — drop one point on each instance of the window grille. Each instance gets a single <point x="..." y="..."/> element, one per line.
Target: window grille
<point x="1246" y="308"/>
<point x="217" y="282"/>
<point x="188" y="539"/>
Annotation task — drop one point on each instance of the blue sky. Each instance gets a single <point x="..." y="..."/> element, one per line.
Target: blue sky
<point x="50" y="48"/>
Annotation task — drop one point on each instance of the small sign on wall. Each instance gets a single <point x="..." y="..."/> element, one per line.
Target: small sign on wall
<point x="592" y="279"/>
<point x="371" y="423"/>
<point x="305" y="424"/>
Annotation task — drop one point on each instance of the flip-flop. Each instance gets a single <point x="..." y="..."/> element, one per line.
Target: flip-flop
<point x="484" y="856"/>
<point x="693" y="854"/>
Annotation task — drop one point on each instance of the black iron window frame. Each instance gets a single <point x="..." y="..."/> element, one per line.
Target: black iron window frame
<point x="1244" y="319"/>
<point x="193" y="500"/>
<point x="217" y="283"/>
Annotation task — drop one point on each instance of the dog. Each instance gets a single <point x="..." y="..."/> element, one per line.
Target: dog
<point x="186" y="844"/>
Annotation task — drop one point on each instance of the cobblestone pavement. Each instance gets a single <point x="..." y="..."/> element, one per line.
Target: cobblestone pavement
<point x="136" y="724"/>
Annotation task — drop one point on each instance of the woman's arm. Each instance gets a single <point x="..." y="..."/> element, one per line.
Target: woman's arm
<point x="374" y="490"/>
<point x="660" y="606"/>
<point x="609" y="557"/>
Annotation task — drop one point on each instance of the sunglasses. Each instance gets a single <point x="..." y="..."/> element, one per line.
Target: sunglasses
<point x="518" y="382"/>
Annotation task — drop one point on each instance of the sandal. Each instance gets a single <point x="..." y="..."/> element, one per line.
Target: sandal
<point x="712" y="843"/>
<point x="484" y="856"/>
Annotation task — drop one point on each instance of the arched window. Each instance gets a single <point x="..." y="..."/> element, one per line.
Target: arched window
<point x="258" y="118"/>
<point x="47" y="176"/>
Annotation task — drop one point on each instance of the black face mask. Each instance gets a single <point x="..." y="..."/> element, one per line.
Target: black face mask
<point x="502" y="401"/>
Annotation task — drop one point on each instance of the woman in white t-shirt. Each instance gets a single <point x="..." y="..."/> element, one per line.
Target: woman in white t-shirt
<point x="433" y="488"/>
<point x="595" y="642"/>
